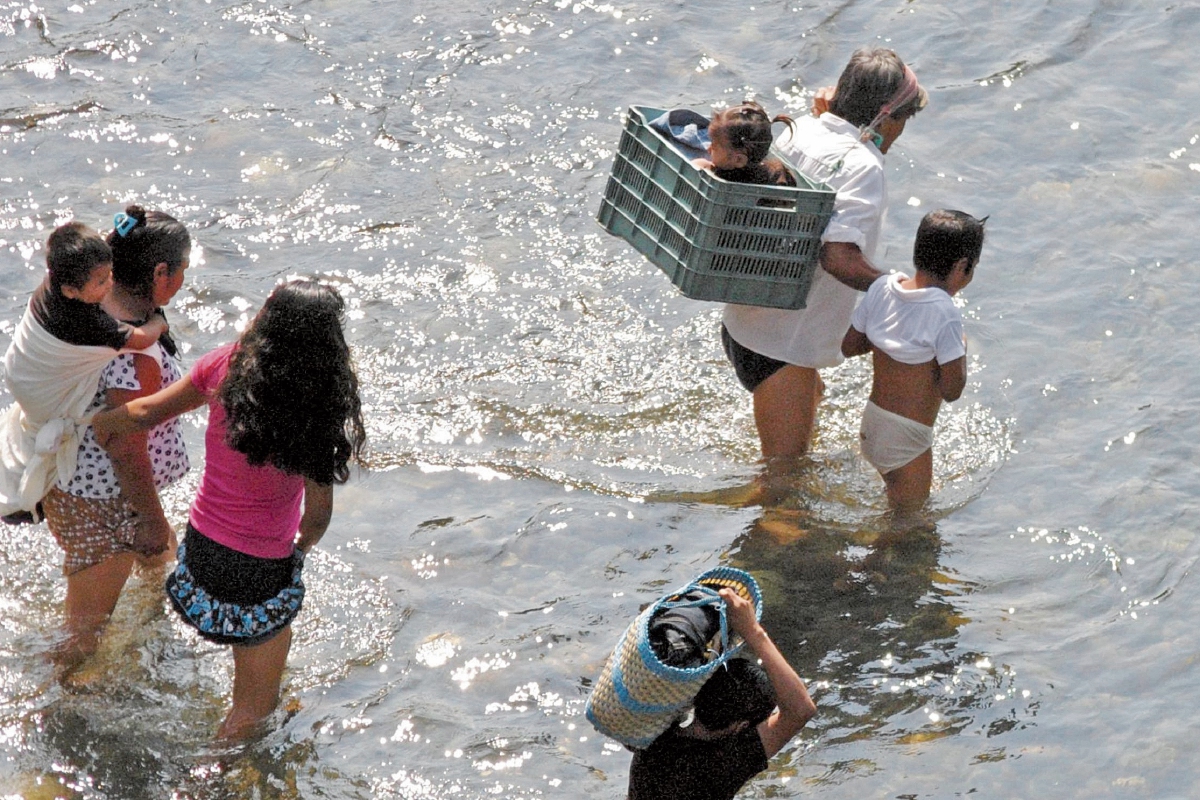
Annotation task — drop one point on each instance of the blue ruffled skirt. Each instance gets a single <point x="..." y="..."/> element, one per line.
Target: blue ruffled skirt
<point x="232" y="623"/>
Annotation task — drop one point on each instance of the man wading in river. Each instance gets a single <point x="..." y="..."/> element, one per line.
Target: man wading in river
<point x="776" y="352"/>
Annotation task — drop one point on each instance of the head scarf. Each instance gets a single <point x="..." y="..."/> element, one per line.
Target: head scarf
<point x="908" y="89"/>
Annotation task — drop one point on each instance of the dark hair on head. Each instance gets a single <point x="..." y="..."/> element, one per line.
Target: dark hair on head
<point x="746" y="128"/>
<point x="738" y="690"/>
<point x="156" y="238"/>
<point x="869" y="81"/>
<point x="73" y="250"/>
<point x="945" y="236"/>
<point x="291" y="394"/>
<point x="768" y="172"/>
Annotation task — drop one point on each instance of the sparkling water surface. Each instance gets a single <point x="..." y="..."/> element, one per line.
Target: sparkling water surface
<point x="556" y="438"/>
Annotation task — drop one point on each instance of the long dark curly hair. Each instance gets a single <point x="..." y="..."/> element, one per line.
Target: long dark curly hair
<point x="291" y="394"/>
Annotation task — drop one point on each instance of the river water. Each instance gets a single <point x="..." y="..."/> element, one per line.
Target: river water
<point x="555" y="436"/>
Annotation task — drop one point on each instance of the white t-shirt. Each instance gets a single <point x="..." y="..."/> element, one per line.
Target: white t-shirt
<point x="94" y="477"/>
<point x="825" y="149"/>
<point x="913" y="326"/>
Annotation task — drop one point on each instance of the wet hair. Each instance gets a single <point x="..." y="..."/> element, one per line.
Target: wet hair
<point x="770" y="172"/>
<point x="869" y="81"/>
<point x="156" y="238"/>
<point x="73" y="250"/>
<point x="738" y="690"/>
<point x="291" y="393"/>
<point x="943" y="237"/>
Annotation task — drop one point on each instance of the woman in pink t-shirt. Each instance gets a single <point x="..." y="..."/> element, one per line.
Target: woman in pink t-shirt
<point x="284" y="422"/>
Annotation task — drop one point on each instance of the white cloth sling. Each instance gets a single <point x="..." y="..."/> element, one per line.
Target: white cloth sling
<point x="53" y="383"/>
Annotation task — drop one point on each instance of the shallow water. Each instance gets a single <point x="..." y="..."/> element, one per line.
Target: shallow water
<point x="555" y="436"/>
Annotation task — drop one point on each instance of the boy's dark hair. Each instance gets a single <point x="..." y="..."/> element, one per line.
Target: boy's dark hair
<point x="72" y="252"/>
<point x="871" y="79"/>
<point x="154" y="238"/>
<point x="738" y="690"/>
<point x="943" y="237"/>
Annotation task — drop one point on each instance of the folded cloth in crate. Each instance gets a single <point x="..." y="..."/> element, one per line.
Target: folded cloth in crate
<point x="686" y="129"/>
<point x="638" y="695"/>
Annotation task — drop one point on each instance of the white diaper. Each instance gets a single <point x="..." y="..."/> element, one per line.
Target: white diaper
<point x="889" y="441"/>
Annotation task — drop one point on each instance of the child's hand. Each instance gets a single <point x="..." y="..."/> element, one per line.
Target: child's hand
<point x="702" y="163"/>
<point x="822" y="99"/>
<point x="154" y="327"/>
<point x="740" y="613"/>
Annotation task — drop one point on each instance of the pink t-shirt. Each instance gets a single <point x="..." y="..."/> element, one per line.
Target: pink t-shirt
<point x="252" y="509"/>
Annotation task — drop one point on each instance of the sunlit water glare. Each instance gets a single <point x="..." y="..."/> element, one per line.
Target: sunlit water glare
<point x="556" y="438"/>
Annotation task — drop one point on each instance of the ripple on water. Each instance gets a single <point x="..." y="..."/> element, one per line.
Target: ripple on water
<point x="498" y="333"/>
<point x="154" y="693"/>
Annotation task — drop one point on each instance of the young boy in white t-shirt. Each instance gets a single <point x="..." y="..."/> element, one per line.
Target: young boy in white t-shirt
<point x="919" y="354"/>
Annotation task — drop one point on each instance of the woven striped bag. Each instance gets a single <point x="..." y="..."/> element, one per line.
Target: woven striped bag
<point x="637" y="696"/>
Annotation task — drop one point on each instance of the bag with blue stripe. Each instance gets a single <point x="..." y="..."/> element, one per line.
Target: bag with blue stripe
<point x="665" y="656"/>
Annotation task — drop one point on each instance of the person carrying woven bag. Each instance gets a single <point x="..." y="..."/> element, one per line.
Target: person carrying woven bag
<point x="700" y="720"/>
<point x="665" y="656"/>
<point x="743" y="715"/>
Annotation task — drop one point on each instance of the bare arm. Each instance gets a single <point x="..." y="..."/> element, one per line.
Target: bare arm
<point x="855" y="343"/>
<point x="844" y="261"/>
<point x="145" y="335"/>
<point x="144" y="413"/>
<point x="318" y="509"/>
<point x="131" y="465"/>
<point x="952" y="379"/>
<point x="796" y="708"/>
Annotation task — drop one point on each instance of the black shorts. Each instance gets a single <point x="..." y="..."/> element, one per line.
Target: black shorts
<point x="233" y="577"/>
<point x="751" y="367"/>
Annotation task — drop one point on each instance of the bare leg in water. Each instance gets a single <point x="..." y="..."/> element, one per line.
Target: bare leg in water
<point x="785" y="411"/>
<point x="257" y="675"/>
<point x="92" y="594"/>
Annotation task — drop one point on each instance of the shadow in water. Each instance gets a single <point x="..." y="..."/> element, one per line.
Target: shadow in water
<point x="859" y="603"/>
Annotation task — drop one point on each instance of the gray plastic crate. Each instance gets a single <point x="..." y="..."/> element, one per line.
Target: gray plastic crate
<point x="716" y="240"/>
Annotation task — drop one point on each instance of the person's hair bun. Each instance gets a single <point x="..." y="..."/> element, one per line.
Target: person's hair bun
<point x="137" y="212"/>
